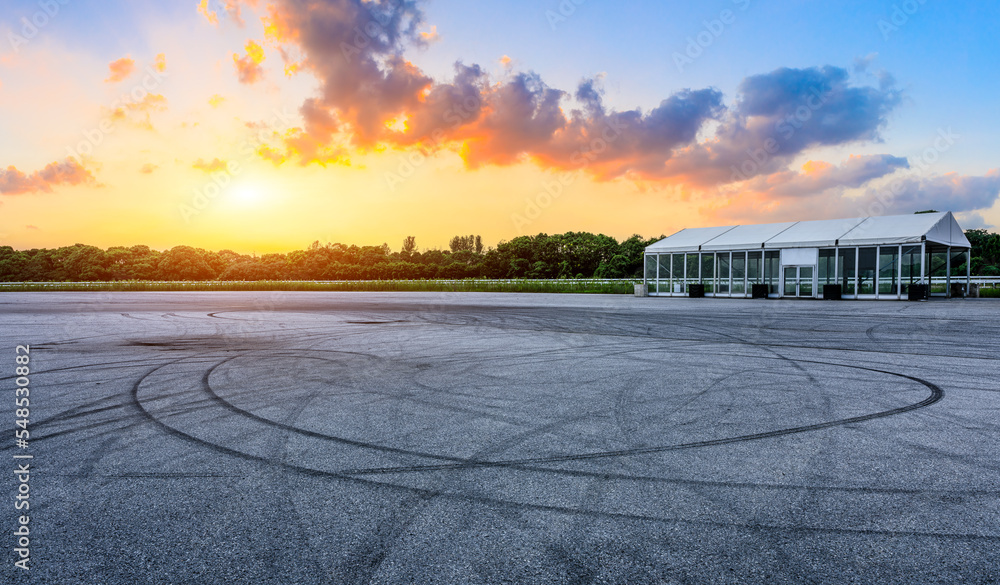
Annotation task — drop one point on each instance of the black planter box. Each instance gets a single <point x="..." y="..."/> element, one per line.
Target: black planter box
<point x="696" y="291"/>
<point x="958" y="289"/>
<point x="917" y="292"/>
<point x="833" y="292"/>
<point x="758" y="291"/>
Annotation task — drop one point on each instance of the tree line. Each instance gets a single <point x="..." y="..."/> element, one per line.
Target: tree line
<point x="568" y="255"/>
<point x="985" y="252"/>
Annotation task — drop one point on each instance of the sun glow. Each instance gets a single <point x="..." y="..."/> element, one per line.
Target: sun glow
<point x="397" y="124"/>
<point x="247" y="194"/>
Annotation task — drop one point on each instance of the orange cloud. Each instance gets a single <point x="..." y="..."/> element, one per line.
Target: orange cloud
<point x="816" y="167"/>
<point x="248" y="68"/>
<point x="139" y="112"/>
<point x="254" y="51"/>
<point x="208" y="13"/>
<point x="277" y="27"/>
<point x="271" y="154"/>
<point x="431" y="35"/>
<point x="233" y="10"/>
<point x="291" y="65"/>
<point x="214" y="165"/>
<point x="365" y="82"/>
<point x="161" y="62"/>
<point x="151" y="101"/>
<point x="819" y="190"/>
<point x="68" y="172"/>
<point x="120" y="69"/>
<point x="307" y="149"/>
<point x="148" y="168"/>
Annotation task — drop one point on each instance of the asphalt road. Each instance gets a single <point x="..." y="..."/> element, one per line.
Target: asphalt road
<point x="426" y="438"/>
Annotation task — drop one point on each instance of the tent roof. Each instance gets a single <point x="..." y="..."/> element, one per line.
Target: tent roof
<point x="940" y="228"/>
<point x="687" y="239"/>
<point x="746" y="236"/>
<point x="814" y="234"/>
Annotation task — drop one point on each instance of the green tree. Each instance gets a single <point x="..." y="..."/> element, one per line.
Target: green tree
<point x="184" y="263"/>
<point x="985" y="252"/>
<point x="86" y="264"/>
<point x="567" y="255"/>
<point x="616" y="267"/>
<point x="12" y="264"/>
<point x="466" y="244"/>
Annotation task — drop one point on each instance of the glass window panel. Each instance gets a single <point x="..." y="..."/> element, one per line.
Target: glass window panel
<point x="678" y="278"/>
<point x="692" y="270"/>
<point x="888" y="270"/>
<point x="772" y="263"/>
<point x="739" y="272"/>
<point x="867" y="269"/>
<point x="911" y="267"/>
<point x="708" y="272"/>
<point x="650" y="267"/>
<point x="664" y="260"/>
<point x="827" y="268"/>
<point x="958" y="259"/>
<point x="754" y="270"/>
<point x="664" y="284"/>
<point x="723" y="273"/>
<point x="938" y="262"/>
<point x="845" y="267"/>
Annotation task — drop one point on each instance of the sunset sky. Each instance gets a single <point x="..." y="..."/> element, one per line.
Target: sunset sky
<point x="263" y="125"/>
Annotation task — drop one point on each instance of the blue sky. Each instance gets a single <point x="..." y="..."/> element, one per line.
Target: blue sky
<point x="943" y="55"/>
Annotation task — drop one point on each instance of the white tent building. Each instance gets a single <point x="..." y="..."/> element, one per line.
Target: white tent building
<point x="867" y="257"/>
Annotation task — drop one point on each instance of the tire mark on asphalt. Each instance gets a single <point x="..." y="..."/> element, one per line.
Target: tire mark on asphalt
<point x="936" y="395"/>
<point x="535" y="507"/>
<point x="279" y="485"/>
<point x="464" y="463"/>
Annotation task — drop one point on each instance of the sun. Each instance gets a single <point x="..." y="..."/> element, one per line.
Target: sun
<point x="247" y="194"/>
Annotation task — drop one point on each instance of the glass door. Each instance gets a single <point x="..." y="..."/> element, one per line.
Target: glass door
<point x="791" y="281"/>
<point x="805" y="281"/>
<point x="798" y="281"/>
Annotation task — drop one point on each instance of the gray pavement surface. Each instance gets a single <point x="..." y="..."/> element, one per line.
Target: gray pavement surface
<point x="426" y="438"/>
